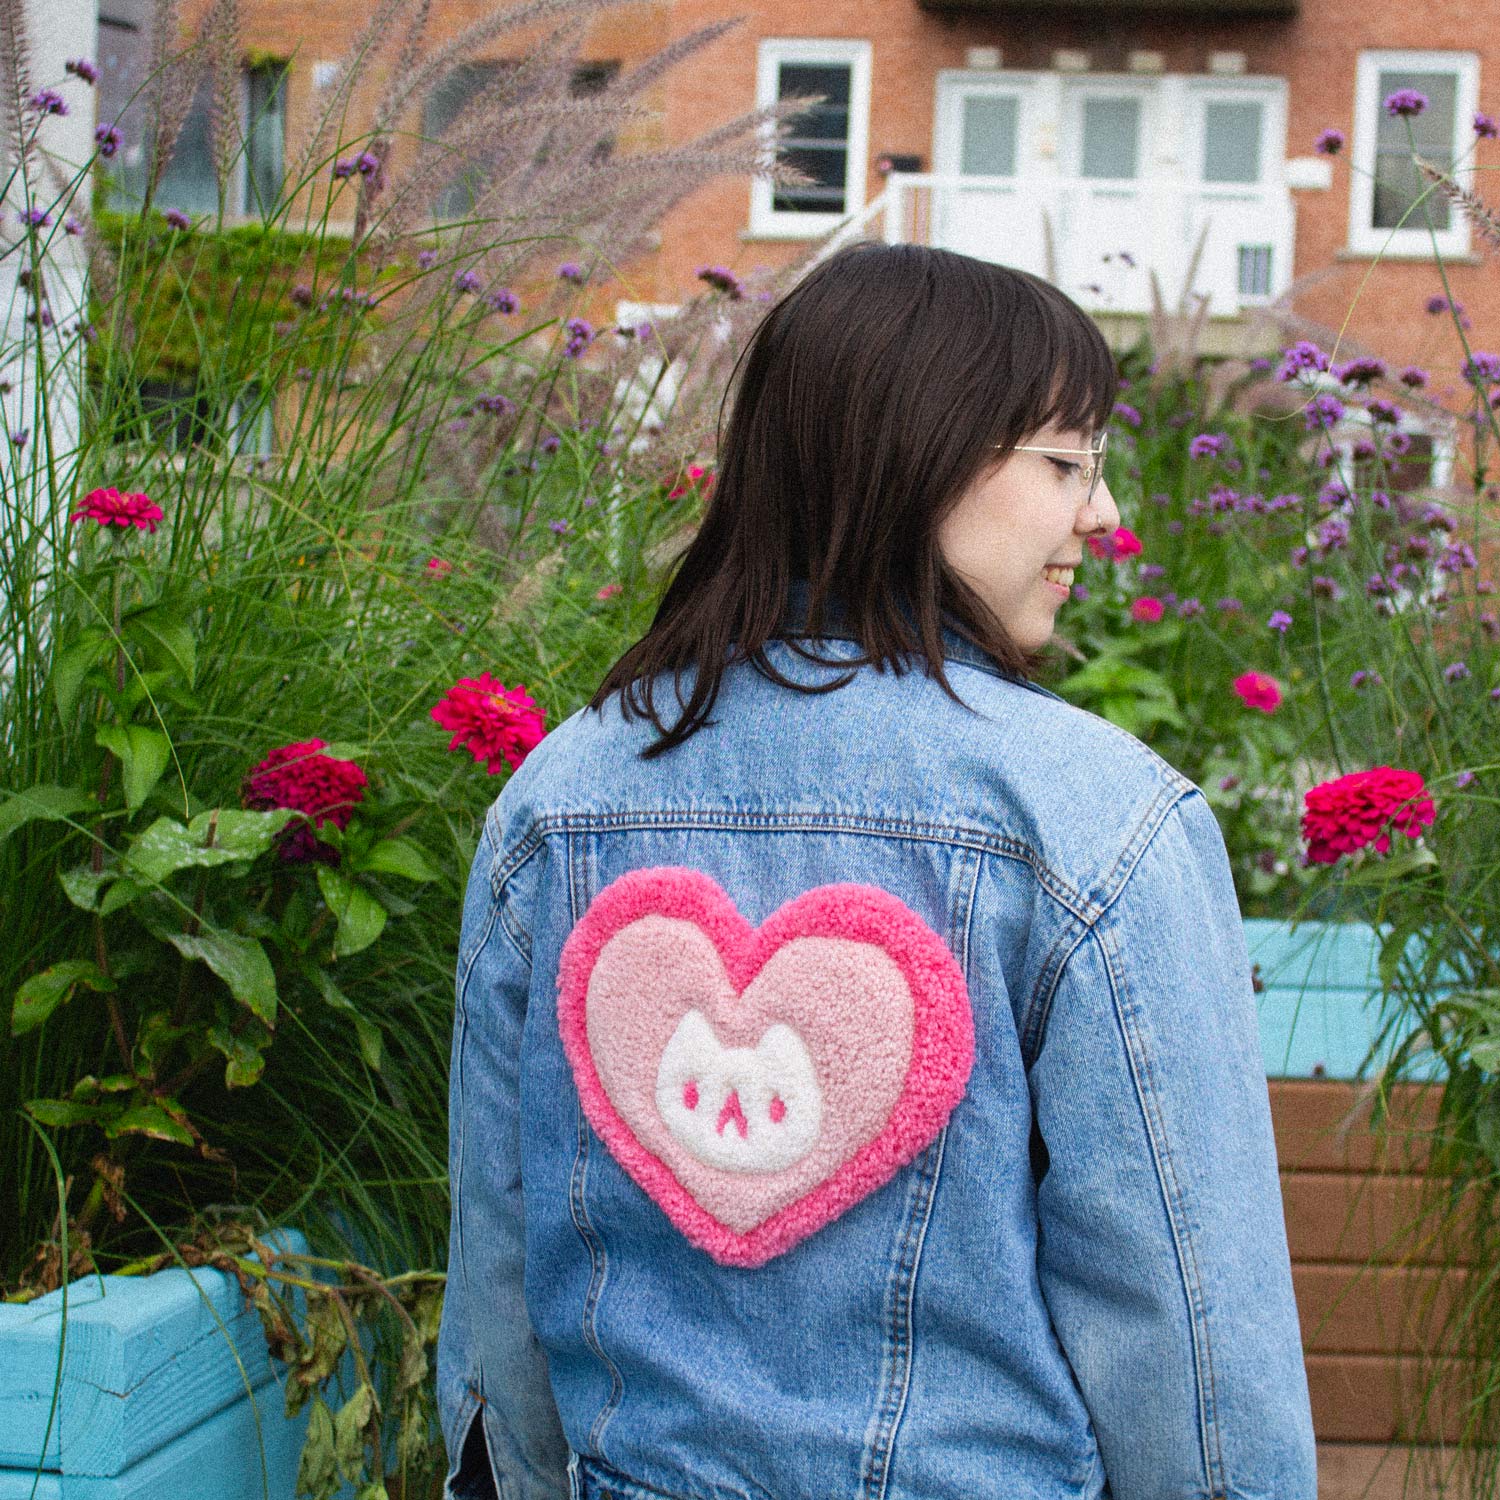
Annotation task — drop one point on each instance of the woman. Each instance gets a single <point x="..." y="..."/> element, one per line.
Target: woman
<point x="856" y="1083"/>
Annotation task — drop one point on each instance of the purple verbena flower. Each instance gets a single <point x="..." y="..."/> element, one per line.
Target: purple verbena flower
<point x="503" y="300"/>
<point x="1455" y="671"/>
<point x="19" y="437"/>
<point x="1303" y="355"/>
<point x="1360" y="371"/>
<point x="1322" y="412"/>
<point x="1280" y="620"/>
<point x="366" y="163"/>
<point x="49" y="102"/>
<point x="562" y="528"/>
<point x="1481" y="368"/>
<point x="722" y="279"/>
<point x="1208" y="445"/>
<point x="551" y="443"/>
<point x="1326" y="588"/>
<point x="1228" y="606"/>
<point x="1383" y="411"/>
<point x="1189" y="608"/>
<point x="1298" y="556"/>
<point x="1333" y="534"/>
<point x="1408" y="102"/>
<point x="426" y="259"/>
<point x="81" y="67"/>
<point x="580" y="336"/>
<point x="1484" y="126"/>
<point x="344" y="167"/>
<point x="1363" y="677"/>
<point x="1456" y="557"/>
<point x="1414" y="376"/>
<point x="1128" y="414"/>
<point x="37" y="217"/>
<point x="107" y="138"/>
<point x="1440" y="304"/>
<point x="496" y="405"/>
<point x="1463" y="778"/>
<point x="1329" y="142"/>
<point x="467" y="281"/>
<point x="570" y="270"/>
<point x="177" y="219"/>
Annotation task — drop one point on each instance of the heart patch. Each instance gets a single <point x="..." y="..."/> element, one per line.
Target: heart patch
<point x="756" y="1082"/>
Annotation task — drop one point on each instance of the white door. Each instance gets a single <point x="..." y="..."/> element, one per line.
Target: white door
<point x="986" y="132"/>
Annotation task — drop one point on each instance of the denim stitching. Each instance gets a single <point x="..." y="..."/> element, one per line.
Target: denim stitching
<point x="1140" y="1061"/>
<point x="807" y="822"/>
<point x="598" y="1259"/>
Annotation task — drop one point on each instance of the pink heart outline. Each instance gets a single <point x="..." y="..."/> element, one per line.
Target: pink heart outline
<point x="942" y="1053"/>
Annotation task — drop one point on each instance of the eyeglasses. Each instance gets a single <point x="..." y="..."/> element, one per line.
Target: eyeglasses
<point x="1088" y="472"/>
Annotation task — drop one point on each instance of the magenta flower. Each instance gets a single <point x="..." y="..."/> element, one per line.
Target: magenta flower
<point x="323" y="787"/>
<point x="1407" y="102"/>
<point x="1258" y="691"/>
<point x="1329" y="142"/>
<point x="493" y="721"/>
<point x="1146" y="609"/>
<point x="110" y="508"/>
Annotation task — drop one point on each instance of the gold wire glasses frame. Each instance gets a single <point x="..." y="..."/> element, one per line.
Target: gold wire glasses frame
<point x="1089" y="472"/>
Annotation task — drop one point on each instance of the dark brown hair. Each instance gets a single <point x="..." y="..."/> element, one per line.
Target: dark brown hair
<point x="871" y="396"/>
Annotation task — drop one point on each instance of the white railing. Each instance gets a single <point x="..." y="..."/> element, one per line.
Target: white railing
<point x="1063" y="228"/>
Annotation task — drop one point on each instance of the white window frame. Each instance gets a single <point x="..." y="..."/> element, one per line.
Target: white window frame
<point x="767" y="222"/>
<point x="1267" y="91"/>
<point x="1408" y="243"/>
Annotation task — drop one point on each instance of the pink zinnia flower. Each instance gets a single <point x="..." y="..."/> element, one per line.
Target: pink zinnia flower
<point x="110" y="508"/>
<point x="608" y="591"/>
<point x="437" y="568"/>
<point x="1121" y="543"/>
<point x="695" y="480"/>
<point x="326" y="789"/>
<point x="1146" y="608"/>
<point x="495" y="722"/>
<point x="1259" y="691"/>
<point x="1356" y="811"/>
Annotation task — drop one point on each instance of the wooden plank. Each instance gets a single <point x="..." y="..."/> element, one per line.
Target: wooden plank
<point x="145" y="1360"/>
<point x="1379" y="1471"/>
<point x="1375" y="1309"/>
<point x="1343" y="1216"/>
<point x="220" y="1457"/>
<point x="1379" y="1398"/>
<point x="1324" y="1125"/>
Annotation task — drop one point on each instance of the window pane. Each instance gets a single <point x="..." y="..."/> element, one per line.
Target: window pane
<point x="1111" y="128"/>
<point x="188" y="182"/>
<point x="445" y="102"/>
<point x="819" y="141"/>
<point x="1398" y="184"/>
<point x="1231" y="142"/>
<point x="266" y="147"/>
<point x="989" y="136"/>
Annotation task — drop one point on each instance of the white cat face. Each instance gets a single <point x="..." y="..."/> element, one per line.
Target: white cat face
<point x="744" y="1109"/>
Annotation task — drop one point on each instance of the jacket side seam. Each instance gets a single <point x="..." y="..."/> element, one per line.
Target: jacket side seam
<point x="577" y="1187"/>
<point x="1171" y="1189"/>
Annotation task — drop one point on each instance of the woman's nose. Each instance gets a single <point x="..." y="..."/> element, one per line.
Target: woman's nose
<point x="1102" y="507"/>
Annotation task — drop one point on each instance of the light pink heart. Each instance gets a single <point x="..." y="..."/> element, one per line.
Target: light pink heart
<point x="873" y="995"/>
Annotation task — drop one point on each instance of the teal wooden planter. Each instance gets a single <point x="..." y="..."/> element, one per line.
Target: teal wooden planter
<point x="167" y="1391"/>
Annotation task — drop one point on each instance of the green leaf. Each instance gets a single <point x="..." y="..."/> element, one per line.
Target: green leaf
<point x="72" y="665"/>
<point x="143" y="753"/>
<point x="171" y="638"/>
<point x="150" y="1120"/>
<point x="399" y="856"/>
<point x="62" y="1111"/>
<point x="247" y="835"/>
<point x="317" y="1471"/>
<point x="366" y="1032"/>
<point x="361" y="917"/>
<point x="240" y="962"/>
<point x="42" y="803"/>
<point x="81" y="885"/>
<point x="44" y="992"/>
<point x="246" y="1061"/>
<point x="121" y="893"/>
<point x="349" y="1431"/>
<point x="166" y="846"/>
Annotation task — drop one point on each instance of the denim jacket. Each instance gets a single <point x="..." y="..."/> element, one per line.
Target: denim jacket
<point x="1069" y="1277"/>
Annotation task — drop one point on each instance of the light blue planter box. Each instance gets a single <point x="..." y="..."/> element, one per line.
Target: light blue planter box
<point x="1320" y="1010"/>
<point x="168" y="1393"/>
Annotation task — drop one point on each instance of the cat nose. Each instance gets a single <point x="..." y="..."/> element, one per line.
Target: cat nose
<point x="733" y="1111"/>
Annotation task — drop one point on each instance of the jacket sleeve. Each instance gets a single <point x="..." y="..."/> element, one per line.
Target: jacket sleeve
<point x="1163" y="1254"/>
<point x="490" y="1364"/>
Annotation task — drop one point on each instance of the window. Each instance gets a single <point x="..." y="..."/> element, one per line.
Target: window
<point x="1231" y="140"/>
<point x="1388" y="212"/>
<point x="188" y="181"/>
<point x="828" y="142"/>
<point x="466" y="83"/>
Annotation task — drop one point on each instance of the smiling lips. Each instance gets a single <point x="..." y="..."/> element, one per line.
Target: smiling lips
<point x="1060" y="576"/>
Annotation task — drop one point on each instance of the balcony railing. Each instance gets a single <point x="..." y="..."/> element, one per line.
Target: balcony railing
<point x="1098" y="239"/>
